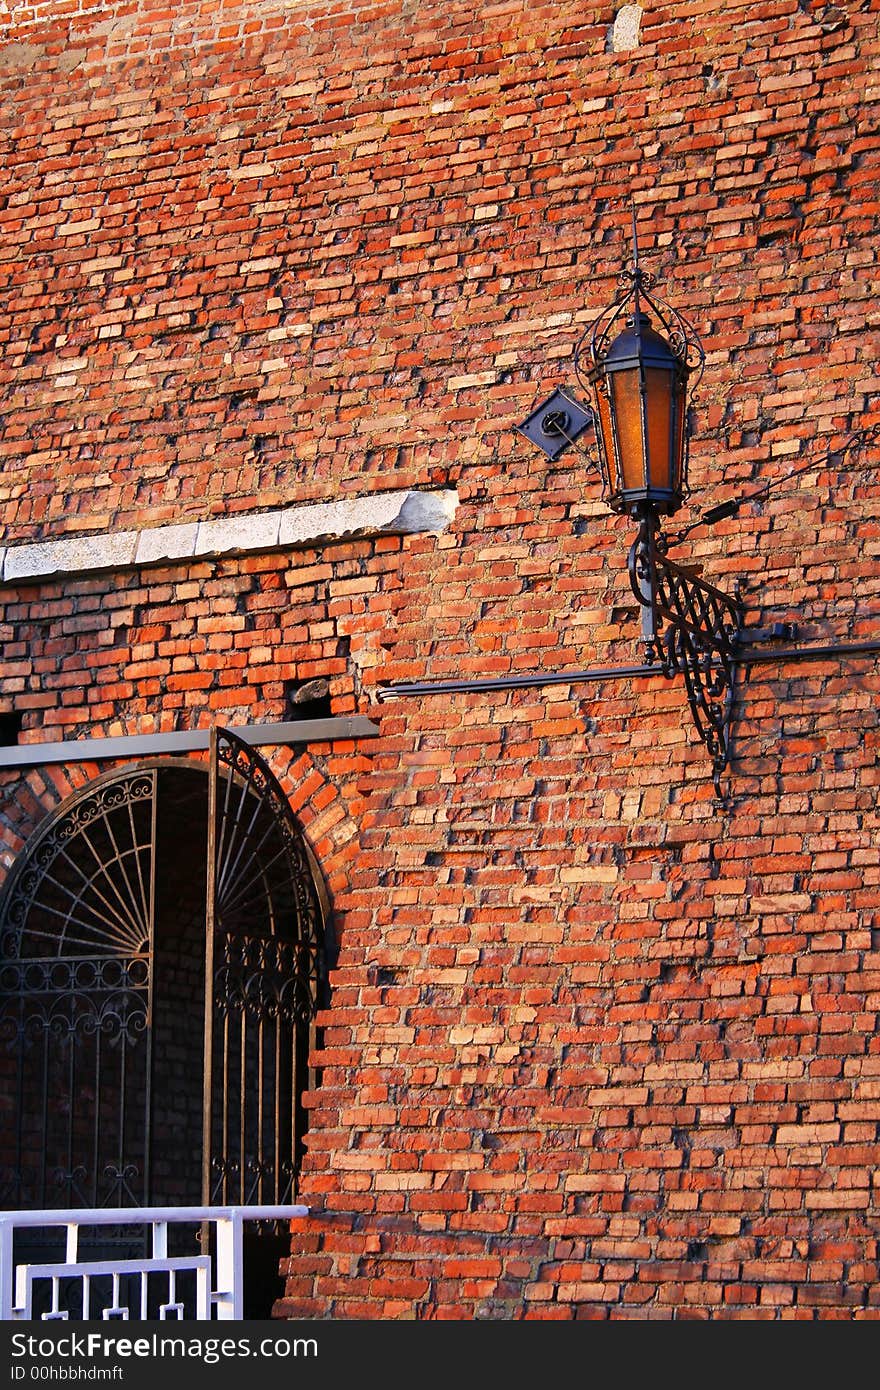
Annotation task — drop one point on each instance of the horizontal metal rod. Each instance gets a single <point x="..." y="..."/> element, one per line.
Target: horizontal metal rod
<point x="82" y="750"/>
<point x="754" y="656"/>
<point x="533" y="679"/>
<point x="745" y="656"/>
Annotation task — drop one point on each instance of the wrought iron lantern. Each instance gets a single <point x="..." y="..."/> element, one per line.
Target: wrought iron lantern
<point x="639" y="381"/>
<point x="640" y="390"/>
<point x="641" y="378"/>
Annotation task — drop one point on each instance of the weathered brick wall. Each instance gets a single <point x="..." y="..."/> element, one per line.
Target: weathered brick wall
<point x="171" y="648"/>
<point x="599" y="1045"/>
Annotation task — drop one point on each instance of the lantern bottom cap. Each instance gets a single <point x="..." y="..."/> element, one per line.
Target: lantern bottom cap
<point x="638" y="502"/>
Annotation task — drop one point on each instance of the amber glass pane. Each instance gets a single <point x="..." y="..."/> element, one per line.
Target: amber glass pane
<point x="680" y="420"/>
<point x="660" y="387"/>
<point x="628" y="417"/>
<point x="607" y="438"/>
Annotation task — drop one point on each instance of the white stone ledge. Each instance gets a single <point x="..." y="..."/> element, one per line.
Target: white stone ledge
<point x="46" y="558"/>
<point x="379" y="513"/>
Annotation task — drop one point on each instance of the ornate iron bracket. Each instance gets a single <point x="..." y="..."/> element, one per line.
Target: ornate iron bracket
<point x="690" y="628"/>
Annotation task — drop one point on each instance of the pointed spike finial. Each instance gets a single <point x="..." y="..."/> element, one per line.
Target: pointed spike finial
<point x="637" y="279"/>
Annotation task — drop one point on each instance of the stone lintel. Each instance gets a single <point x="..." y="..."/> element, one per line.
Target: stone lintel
<point x="72" y="555"/>
<point x="378" y="513"/>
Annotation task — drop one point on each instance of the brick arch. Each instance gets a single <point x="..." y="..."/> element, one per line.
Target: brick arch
<point x="325" y="788"/>
<point x="27" y="797"/>
<point x="321" y="783"/>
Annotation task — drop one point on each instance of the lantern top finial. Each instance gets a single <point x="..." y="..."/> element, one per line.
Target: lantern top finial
<point x="635" y="231"/>
<point x="635" y="294"/>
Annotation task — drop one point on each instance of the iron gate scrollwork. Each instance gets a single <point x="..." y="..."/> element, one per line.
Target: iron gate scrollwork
<point x="120" y="955"/>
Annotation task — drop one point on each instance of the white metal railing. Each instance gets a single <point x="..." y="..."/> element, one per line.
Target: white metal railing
<point x="155" y="1286"/>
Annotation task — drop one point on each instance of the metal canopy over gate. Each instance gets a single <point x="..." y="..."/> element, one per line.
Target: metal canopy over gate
<point x="161" y="960"/>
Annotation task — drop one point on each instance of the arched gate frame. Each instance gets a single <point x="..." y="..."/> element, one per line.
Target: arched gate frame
<point x="157" y="1014"/>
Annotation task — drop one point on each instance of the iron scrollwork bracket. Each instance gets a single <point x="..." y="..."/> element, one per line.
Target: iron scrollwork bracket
<point x="689" y="628"/>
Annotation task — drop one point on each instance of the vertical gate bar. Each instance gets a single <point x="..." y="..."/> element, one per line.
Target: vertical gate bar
<point x="242" y="1107"/>
<point x="224" y="1102"/>
<point x="210" y="924"/>
<point x="19" y="1099"/>
<point x="123" y="1082"/>
<point x="96" y="1127"/>
<point x="276" y="1195"/>
<point x="71" y="1098"/>
<point x="45" y="1116"/>
<point x="203" y="1295"/>
<point x="151" y="952"/>
<point x="22" y="1295"/>
<point x="309" y="1082"/>
<point x="294" y="1092"/>
<point x="261" y="1084"/>
<point x="159" y="1231"/>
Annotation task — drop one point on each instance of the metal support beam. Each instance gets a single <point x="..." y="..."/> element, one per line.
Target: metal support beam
<point x="744" y="655"/>
<point x="747" y="655"/>
<point x="532" y="681"/>
<point x="135" y="746"/>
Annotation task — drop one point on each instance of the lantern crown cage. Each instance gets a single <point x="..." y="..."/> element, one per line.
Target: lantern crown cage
<point x="640" y="378"/>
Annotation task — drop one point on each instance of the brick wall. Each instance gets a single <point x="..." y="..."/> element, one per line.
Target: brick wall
<point x="600" y="1045"/>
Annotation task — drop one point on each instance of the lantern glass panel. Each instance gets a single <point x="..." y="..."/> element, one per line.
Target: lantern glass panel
<point x="680" y="439"/>
<point x="628" y="420"/>
<point x="604" y="403"/>
<point x="660" y="388"/>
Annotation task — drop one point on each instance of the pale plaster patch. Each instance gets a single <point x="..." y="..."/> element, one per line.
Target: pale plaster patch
<point x="426" y="511"/>
<point x="627" y="23"/>
<point x="20" y="55"/>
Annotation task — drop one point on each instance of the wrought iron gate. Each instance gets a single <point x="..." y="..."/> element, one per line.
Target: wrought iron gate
<point x="264" y="968"/>
<point x="161" y="959"/>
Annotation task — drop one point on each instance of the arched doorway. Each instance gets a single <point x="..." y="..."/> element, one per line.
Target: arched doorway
<point x="161" y="961"/>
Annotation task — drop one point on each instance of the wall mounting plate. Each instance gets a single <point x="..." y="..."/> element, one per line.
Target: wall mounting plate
<point x="556" y="423"/>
